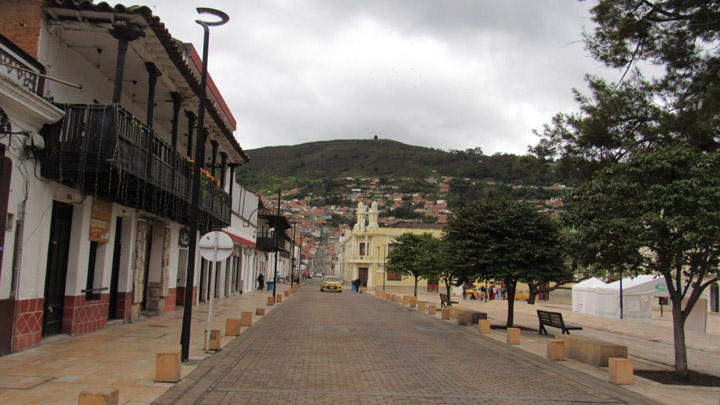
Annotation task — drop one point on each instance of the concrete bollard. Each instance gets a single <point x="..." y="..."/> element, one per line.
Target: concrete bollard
<point x="513" y="336"/>
<point x="246" y="318"/>
<point x="392" y="297"/>
<point x="271" y="301"/>
<point x="556" y="350"/>
<point x="99" y="398"/>
<point x="421" y="306"/>
<point x="398" y="299"/>
<point x="278" y="298"/>
<point x="446" y="313"/>
<point x="232" y="327"/>
<point x="484" y="326"/>
<point x="259" y="311"/>
<point x="462" y="318"/>
<point x="167" y="367"/>
<point x="620" y="371"/>
<point x="432" y="309"/>
<point x="215" y="336"/>
<point x="287" y="293"/>
<point x="412" y="303"/>
<point x="405" y="300"/>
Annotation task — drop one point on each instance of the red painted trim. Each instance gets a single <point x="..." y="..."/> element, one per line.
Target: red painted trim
<point x="239" y="240"/>
<point x="197" y="61"/>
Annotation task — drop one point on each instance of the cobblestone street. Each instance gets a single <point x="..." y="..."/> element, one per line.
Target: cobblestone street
<point x="332" y="348"/>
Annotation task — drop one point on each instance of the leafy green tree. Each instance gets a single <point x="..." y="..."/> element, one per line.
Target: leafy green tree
<point x="680" y="39"/>
<point x="505" y="240"/>
<point x="658" y="213"/>
<point x="410" y="256"/>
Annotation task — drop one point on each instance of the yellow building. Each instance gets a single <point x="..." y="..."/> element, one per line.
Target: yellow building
<point x="364" y="250"/>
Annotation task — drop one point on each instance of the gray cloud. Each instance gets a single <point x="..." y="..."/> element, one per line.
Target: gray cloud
<point x="452" y="74"/>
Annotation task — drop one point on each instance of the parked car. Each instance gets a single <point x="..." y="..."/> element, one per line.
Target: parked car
<point x="331" y="283"/>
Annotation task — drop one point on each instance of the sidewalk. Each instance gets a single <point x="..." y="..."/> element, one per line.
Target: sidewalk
<point x="650" y="346"/>
<point x="121" y="356"/>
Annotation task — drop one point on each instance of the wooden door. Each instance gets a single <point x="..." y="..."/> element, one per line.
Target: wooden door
<point x="57" y="264"/>
<point x="433" y="284"/>
<point x="115" y="275"/>
<point x="363" y="275"/>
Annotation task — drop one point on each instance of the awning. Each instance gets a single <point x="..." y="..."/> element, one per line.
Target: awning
<point x="240" y="241"/>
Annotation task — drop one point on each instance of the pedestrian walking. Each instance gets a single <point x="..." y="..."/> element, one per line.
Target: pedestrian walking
<point x="358" y="284"/>
<point x="261" y="282"/>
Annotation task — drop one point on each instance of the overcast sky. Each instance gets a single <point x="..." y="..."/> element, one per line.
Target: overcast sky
<point x="448" y="74"/>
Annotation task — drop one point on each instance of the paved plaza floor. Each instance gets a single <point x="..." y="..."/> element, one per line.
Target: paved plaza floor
<point x="357" y="348"/>
<point x="332" y="348"/>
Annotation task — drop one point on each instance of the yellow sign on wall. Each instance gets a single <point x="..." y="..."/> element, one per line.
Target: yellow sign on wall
<point x="100" y="221"/>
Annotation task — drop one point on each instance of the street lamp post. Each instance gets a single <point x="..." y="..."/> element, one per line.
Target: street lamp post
<point x="384" y="266"/>
<point x="292" y="261"/>
<point x="277" y="236"/>
<point x="195" y="200"/>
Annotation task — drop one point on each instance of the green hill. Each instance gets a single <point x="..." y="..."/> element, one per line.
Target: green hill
<point x="322" y="167"/>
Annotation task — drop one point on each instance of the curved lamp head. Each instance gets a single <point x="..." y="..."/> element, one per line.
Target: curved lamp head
<point x="204" y="10"/>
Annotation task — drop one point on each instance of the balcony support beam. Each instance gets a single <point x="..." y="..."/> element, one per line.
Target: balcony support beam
<point x="177" y="100"/>
<point x="214" y="145"/>
<point x="124" y="33"/>
<point x="223" y="168"/>
<point x="153" y="74"/>
<point x="191" y="126"/>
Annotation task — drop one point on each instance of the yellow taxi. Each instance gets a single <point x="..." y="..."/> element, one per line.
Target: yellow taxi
<point x="331" y="284"/>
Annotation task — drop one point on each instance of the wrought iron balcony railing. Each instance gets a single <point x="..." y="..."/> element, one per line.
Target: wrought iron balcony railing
<point x="105" y="151"/>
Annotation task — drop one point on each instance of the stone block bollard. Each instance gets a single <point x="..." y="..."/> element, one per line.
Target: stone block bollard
<point x="398" y="299"/>
<point x="421" y="306"/>
<point x="167" y="367"/>
<point x="462" y="318"/>
<point x="412" y="303"/>
<point x="620" y="371"/>
<point x="513" y="336"/>
<point x="432" y="309"/>
<point x="232" y="327"/>
<point x="259" y="311"/>
<point x="246" y="318"/>
<point x="278" y="298"/>
<point x="271" y="301"/>
<point x="484" y="326"/>
<point x="446" y="313"/>
<point x="215" y="336"/>
<point x="99" y="398"/>
<point x="287" y="293"/>
<point x="392" y="297"/>
<point x="556" y="350"/>
<point x="406" y="300"/>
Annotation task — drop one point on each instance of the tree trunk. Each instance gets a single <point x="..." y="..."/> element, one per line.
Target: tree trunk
<point x="416" y="282"/>
<point x="448" y="287"/>
<point x="681" y="366"/>
<point x="511" y="287"/>
<point x="533" y="292"/>
<point x="531" y="297"/>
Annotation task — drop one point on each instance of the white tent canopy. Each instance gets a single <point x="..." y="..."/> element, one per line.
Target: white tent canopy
<point x="583" y="295"/>
<point x="637" y="301"/>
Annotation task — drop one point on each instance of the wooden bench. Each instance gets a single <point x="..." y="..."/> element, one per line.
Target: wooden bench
<point x="555" y="320"/>
<point x="445" y="301"/>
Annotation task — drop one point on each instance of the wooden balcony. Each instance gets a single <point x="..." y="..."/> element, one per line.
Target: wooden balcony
<point x="106" y="152"/>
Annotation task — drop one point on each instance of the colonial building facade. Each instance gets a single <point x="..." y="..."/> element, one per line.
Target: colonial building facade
<point x="363" y="252"/>
<point x="96" y="174"/>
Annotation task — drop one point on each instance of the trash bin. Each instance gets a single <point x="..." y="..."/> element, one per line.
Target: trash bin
<point x="270" y="285"/>
<point x="354" y="288"/>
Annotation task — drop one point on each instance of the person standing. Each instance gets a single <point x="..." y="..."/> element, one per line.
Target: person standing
<point x="358" y="284"/>
<point x="261" y="282"/>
